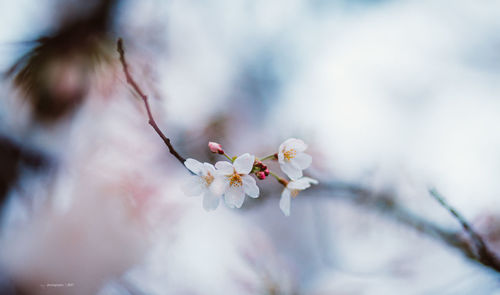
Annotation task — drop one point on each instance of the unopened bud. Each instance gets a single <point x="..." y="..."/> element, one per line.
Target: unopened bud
<point x="215" y="147"/>
<point x="266" y="172"/>
<point x="261" y="175"/>
<point x="261" y="166"/>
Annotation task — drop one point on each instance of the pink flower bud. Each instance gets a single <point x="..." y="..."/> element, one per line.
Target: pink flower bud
<point x="215" y="147"/>
<point x="266" y="172"/>
<point x="261" y="166"/>
<point x="261" y="175"/>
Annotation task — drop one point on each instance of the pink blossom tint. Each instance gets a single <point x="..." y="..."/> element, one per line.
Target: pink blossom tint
<point x="215" y="147"/>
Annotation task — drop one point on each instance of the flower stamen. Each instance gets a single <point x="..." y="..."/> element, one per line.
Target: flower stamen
<point x="290" y="154"/>
<point x="235" y="180"/>
<point x="294" y="193"/>
<point x="209" y="178"/>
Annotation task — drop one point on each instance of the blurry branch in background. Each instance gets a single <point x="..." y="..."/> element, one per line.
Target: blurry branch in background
<point x="387" y="204"/>
<point x="144" y="98"/>
<point x="55" y="75"/>
<point x="482" y="252"/>
<point x="14" y="159"/>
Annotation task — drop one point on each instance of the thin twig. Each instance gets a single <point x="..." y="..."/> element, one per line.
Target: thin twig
<point x="144" y="97"/>
<point x="387" y="204"/>
<point x="482" y="251"/>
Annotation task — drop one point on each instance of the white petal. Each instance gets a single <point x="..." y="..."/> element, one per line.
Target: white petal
<point x="219" y="185"/>
<point x="210" y="201"/>
<point x="193" y="165"/>
<point x="194" y="186"/>
<point x="244" y="163"/>
<point x="283" y="146"/>
<point x="292" y="171"/>
<point x="234" y="197"/>
<point x="302" y="161"/>
<point x="207" y="167"/>
<point x="224" y="167"/>
<point x="296" y="144"/>
<point x="250" y="187"/>
<point x="311" y="180"/>
<point x="281" y="157"/>
<point x="302" y="183"/>
<point x="285" y="202"/>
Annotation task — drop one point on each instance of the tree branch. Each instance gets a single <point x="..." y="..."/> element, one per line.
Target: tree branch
<point x="387" y="204"/>
<point x="482" y="252"/>
<point x="144" y="98"/>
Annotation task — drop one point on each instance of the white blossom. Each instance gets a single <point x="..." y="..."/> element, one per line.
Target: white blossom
<point x="292" y="158"/>
<point x="202" y="183"/>
<point x="291" y="190"/>
<point x="236" y="182"/>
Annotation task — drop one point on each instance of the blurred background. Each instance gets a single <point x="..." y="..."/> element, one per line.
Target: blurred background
<point x="392" y="97"/>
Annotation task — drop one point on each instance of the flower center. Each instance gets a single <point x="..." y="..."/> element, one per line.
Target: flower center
<point x="290" y="154"/>
<point x="209" y="178"/>
<point x="294" y="193"/>
<point x="235" y="180"/>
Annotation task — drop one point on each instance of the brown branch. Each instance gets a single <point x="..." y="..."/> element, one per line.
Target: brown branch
<point x="144" y="98"/>
<point x="482" y="252"/>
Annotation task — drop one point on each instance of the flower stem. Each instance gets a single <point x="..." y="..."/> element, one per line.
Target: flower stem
<point x="279" y="179"/>
<point x="273" y="156"/>
<point x="274" y="174"/>
<point x="229" y="158"/>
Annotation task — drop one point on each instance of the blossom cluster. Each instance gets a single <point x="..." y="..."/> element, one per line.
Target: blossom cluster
<point x="231" y="180"/>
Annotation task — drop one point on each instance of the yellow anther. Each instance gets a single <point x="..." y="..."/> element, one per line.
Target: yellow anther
<point x="209" y="178"/>
<point x="294" y="193"/>
<point x="290" y="154"/>
<point x="235" y="180"/>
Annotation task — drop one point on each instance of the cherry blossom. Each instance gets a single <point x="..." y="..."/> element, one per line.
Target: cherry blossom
<point x="292" y="158"/>
<point x="291" y="190"/>
<point x="236" y="182"/>
<point x="232" y="178"/>
<point x="202" y="183"/>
